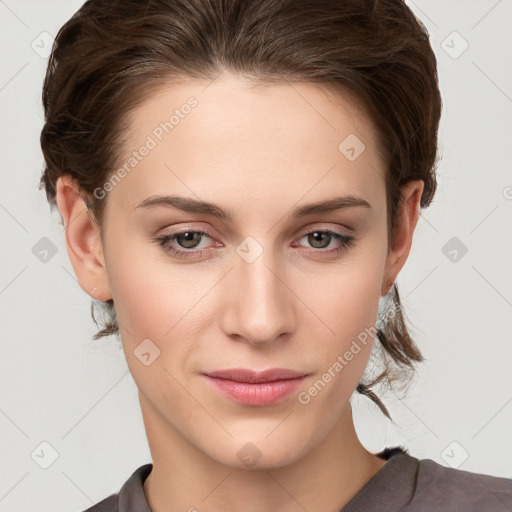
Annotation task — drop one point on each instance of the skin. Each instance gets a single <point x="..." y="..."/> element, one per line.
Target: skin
<point x="259" y="153"/>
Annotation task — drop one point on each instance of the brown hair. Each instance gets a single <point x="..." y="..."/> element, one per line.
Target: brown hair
<point x="113" y="54"/>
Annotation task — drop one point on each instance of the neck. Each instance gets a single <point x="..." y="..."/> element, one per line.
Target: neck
<point x="185" y="478"/>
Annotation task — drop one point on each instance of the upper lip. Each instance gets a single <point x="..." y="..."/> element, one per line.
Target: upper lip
<point x="254" y="377"/>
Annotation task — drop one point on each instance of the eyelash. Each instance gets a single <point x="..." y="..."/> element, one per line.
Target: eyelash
<point x="347" y="241"/>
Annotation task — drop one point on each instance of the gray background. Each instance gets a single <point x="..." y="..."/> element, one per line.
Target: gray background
<point x="59" y="387"/>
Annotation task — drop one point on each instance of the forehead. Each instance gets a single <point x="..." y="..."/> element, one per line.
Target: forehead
<point x="228" y="136"/>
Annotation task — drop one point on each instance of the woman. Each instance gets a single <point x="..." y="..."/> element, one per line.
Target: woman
<point x="240" y="182"/>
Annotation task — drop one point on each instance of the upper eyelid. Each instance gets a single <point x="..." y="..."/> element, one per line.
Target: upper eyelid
<point x="346" y="231"/>
<point x="305" y="230"/>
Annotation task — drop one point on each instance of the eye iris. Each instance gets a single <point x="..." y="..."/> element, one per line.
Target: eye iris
<point x="190" y="237"/>
<point x="313" y="238"/>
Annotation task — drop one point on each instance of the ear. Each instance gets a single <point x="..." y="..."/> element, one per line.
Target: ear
<point x="83" y="241"/>
<point x="406" y="223"/>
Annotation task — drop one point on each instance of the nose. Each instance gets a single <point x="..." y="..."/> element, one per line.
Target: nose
<point x="259" y="305"/>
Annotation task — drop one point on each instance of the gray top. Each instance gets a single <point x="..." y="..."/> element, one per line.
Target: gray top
<point x="403" y="484"/>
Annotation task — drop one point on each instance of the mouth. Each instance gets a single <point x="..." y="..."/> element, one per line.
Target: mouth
<point x="257" y="388"/>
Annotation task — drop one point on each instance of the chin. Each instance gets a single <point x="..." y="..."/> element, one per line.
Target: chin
<point x="258" y="454"/>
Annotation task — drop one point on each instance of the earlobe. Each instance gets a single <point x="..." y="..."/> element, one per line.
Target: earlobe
<point x="83" y="241"/>
<point x="404" y="230"/>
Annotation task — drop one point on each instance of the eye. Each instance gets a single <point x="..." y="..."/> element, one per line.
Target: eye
<point x="189" y="241"/>
<point x="321" y="239"/>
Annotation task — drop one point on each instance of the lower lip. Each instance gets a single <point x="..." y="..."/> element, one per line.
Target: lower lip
<point x="264" y="393"/>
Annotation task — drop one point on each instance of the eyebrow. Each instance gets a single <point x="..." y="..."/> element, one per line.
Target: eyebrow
<point x="192" y="205"/>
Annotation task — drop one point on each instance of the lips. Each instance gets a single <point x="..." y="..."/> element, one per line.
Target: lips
<point x="256" y="377"/>
<point x="257" y="388"/>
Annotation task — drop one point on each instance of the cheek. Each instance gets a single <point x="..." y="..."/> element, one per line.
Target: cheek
<point x="159" y="301"/>
<point x="151" y="308"/>
<point x="150" y="295"/>
<point x="345" y="303"/>
<point x="345" y="299"/>
<point x="343" y="356"/>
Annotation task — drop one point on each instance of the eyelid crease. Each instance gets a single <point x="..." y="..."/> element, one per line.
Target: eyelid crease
<point x="346" y="240"/>
<point x="346" y="231"/>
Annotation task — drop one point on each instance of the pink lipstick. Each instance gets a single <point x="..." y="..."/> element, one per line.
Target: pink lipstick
<point x="259" y="388"/>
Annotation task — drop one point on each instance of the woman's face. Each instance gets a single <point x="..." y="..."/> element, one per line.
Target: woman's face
<point x="265" y="287"/>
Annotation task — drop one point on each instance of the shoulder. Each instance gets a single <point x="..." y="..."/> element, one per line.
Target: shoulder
<point x="109" y="504"/>
<point x="408" y="484"/>
<point x="131" y="496"/>
<point x="443" y="488"/>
